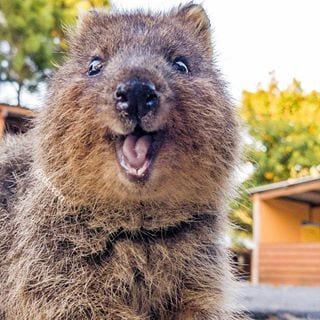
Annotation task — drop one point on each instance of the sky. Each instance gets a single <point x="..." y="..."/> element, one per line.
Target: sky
<point x="254" y="38"/>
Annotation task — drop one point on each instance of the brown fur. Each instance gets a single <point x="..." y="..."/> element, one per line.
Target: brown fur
<point x="78" y="240"/>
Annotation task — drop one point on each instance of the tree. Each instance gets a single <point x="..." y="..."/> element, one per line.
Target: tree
<point x="284" y="126"/>
<point x="32" y="38"/>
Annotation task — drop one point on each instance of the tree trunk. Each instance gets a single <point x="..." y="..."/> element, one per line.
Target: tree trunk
<point x="19" y="93"/>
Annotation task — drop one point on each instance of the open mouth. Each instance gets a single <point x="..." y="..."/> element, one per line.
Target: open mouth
<point x="136" y="152"/>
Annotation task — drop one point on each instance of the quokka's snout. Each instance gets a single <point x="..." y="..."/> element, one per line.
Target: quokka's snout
<point x="136" y="98"/>
<point x="140" y="90"/>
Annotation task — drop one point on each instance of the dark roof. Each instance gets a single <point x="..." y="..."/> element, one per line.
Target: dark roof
<point x="283" y="184"/>
<point x="310" y="196"/>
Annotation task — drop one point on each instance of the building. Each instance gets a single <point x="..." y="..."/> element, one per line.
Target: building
<point x="14" y="119"/>
<point x="286" y="232"/>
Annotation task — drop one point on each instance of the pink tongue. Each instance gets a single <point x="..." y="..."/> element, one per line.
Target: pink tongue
<point x="135" y="150"/>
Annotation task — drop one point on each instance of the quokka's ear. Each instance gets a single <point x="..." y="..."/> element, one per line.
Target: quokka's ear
<point x="86" y="18"/>
<point x="195" y="16"/>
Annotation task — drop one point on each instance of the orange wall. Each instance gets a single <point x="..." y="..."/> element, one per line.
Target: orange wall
<point x="290" y="264"/>
<point x="280" y="220"/>
<point x="316" y="214"/>
<point x="277" y="236"/>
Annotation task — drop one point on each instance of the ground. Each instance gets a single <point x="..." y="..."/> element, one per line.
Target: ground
<point x="281" y="302"/>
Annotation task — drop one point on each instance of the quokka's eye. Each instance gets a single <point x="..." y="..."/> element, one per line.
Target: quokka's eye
<point x="180" y="64"/>
<point x="95" y="66"/>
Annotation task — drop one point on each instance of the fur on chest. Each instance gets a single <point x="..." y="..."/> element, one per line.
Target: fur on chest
<point x="145" y="270"/>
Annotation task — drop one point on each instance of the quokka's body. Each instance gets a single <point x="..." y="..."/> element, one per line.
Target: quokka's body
<point x="114" y="205"/>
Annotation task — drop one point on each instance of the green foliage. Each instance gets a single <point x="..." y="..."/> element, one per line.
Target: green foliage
<point x="284" y="126"/>
<point x="31" y="37"/>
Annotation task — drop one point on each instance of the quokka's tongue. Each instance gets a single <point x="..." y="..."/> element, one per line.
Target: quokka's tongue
<point x="135" y="150"/>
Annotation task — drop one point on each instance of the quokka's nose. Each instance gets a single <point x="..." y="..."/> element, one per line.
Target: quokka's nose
<point x="136" y="97"/>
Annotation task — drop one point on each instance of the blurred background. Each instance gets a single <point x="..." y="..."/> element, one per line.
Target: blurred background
<point x="269" y="52"/>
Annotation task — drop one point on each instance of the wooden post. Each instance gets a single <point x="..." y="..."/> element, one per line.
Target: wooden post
<point x="2" y="123"/>
<point x="256" y="240"/>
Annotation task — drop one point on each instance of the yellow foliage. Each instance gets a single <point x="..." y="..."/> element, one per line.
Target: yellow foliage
<point x="285" y="126"/>
<point x="269" y="175"/>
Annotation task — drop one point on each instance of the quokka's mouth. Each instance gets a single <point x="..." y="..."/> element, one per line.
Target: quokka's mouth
<point x="137" y="151"/>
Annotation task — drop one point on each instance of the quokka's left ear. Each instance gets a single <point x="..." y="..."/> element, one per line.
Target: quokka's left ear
<point x="196" y="17"/>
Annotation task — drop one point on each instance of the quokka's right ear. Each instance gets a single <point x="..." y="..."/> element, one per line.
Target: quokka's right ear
<point x="87" y="18"/>
<point x="87" y="22"/>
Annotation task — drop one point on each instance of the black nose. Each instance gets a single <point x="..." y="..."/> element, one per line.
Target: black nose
<point x="136" y="97"/>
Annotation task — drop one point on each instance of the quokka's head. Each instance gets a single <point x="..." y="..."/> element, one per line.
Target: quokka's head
<point x="138" y="112"/>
